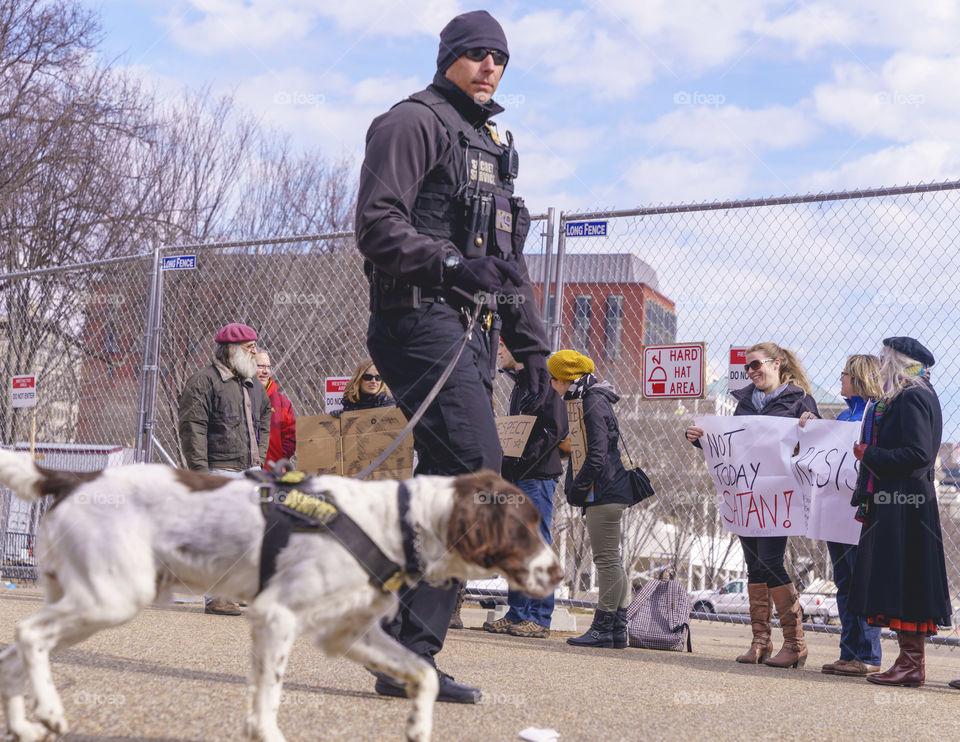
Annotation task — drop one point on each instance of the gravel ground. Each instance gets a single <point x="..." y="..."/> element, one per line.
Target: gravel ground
<point x="175" y="674"/>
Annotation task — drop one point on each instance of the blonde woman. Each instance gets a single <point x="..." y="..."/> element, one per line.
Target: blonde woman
<point x="780" y="388"/>
<point x="366" y="389"/>
<point x="859" y="642"/>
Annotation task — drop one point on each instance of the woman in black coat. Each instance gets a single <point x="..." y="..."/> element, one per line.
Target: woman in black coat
<point x="900" y="579"/>
<point x="602" y="488"/>
<point x="780" y="388"/>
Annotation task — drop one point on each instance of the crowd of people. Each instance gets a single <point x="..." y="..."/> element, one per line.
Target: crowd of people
<point x="441" y="232"/>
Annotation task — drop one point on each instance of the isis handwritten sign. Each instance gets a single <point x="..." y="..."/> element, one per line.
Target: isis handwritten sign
<point x="827" y="471"/>
<point x="749" y="460"/>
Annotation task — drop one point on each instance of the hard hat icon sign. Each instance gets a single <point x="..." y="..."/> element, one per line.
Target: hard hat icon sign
<point x="658" y="380"/>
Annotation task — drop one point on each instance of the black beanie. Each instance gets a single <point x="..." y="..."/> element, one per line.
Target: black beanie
<point x="466" y="31"/>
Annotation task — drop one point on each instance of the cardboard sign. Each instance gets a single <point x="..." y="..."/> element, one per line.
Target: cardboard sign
<point x="750" y="461"/>
<point x="23" y="391"/>
<point x="334" y="387"/>
<point x="514" y="430"/>
<point x="345" y="445"/>
<point x="673" y="371"/>
<point x="578" y="434"/>
<point x="827" y="470"/>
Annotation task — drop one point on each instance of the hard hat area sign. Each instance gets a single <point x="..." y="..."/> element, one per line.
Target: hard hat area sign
<point x="673" y="371"/>
<point x="23" y="391"/>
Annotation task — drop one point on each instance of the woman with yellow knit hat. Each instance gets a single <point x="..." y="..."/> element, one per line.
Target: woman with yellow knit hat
<point x="602" y="488"/>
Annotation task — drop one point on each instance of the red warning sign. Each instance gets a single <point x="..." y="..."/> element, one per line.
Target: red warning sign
<point x="673" y="371"/>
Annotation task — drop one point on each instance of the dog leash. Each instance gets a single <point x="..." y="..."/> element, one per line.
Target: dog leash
<point x="472" y="321"/>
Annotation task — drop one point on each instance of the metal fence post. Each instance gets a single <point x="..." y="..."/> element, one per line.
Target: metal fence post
<point x="545" y="279"/>
<point x="556" y="320"/>
<point x="146" y="418"/>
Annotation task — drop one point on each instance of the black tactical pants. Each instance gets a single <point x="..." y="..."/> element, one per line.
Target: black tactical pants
<point x="456" y="435"/>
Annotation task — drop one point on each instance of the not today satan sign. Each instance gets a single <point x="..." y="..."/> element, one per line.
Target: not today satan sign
<point x="749" y="459"/>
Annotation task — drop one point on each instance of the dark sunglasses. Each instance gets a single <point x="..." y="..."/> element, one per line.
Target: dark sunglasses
<point x="755" y="365"/>
<point x="479" y="53"/>
<point x="371" y="377"/>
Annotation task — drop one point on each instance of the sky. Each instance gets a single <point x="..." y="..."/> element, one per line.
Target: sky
<point x="622" y="103"/>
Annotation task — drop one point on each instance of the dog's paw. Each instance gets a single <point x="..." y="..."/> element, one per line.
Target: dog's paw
<point x="52" y="717"/>
<point x="255" y="731"/>
<point x="28" y="731"/>
<point x="418" y="728"/>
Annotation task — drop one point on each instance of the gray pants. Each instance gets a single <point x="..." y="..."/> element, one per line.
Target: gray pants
<point x="603" y="525"/>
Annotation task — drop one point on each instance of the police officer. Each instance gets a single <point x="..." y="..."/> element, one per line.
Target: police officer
<point x="441" y="231"/>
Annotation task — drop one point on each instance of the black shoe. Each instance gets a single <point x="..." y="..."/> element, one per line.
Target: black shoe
<point x="600" y="633"/>
<point x="450" y="691"/>
<point x="620" y="639"/>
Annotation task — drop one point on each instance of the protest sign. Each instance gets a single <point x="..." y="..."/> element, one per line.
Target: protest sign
<point x="578" y="434"/>
<point x="749" y="460"/>
<point x="514" y="430"/>
<point x="827" y="471"/>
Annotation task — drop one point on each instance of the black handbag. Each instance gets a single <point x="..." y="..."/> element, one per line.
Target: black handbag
<point x="639" y="481"/>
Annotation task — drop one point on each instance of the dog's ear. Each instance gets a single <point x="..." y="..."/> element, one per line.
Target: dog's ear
<point x="485" y="515"/>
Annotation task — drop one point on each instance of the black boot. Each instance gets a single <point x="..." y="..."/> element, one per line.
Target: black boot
<point x="620" y="639"/>
<point x="600" y="633"/>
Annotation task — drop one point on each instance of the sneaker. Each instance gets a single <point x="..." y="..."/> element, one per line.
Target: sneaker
<point x="529" y="629"/>
<point x="221" y="607"/>
<point x="500" y="626"/>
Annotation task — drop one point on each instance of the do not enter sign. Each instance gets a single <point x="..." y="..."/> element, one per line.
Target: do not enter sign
<point x="673" y="371"/>
<point x="24" y="391"/>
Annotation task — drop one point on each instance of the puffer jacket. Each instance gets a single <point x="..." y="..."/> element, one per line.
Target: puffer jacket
<point x="211" y="421"/>
<point x="283" y="426"/>
<point x="602" y="479"/>
<point x="368" y="402"/>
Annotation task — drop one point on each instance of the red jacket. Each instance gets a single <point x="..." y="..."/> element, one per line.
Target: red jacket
<point x="283" y="426"/>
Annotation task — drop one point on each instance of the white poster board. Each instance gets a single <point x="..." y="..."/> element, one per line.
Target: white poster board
<point x="749" y="459"/>
<point x="827" y="471"/>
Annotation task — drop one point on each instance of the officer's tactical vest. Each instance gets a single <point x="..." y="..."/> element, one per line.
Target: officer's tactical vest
<point x="445" y="206"/>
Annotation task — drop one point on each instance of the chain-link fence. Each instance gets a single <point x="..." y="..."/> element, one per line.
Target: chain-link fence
<point x="113" y="343"/>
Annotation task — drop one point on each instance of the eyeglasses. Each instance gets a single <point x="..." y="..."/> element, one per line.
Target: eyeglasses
<point x="266" y="366"/>
<point x="371" y="377"/>
<point x="843" y="373"/>
<point x="479" y="53"/>
<point x="755" y="365"/>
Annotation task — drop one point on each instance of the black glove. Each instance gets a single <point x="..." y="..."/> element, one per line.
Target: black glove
<point x="486" y="274"/>
<point x="534" y="382"/>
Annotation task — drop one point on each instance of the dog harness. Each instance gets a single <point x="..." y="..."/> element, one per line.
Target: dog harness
<point x="288" y="509"/>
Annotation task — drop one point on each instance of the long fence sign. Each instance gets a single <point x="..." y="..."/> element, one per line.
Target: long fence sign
<point x="749" y="460"/>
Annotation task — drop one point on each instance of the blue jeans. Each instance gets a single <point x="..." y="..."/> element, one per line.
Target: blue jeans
<point x="858" y="640"/>
<point x="522" y="606"/>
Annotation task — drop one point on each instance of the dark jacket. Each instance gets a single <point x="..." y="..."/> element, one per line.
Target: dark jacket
<point x="791" y="402"/>
<point x="602" y="469"/>
<point x="410" y="160"/>
<point x="541" y="457"/>
<point x="283" y="425"/>
<point x="211" y="424"/>
<point x="368" y="402"/>
<point x="900" y="571"/>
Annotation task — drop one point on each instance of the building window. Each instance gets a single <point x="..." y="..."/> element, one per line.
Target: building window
<point x="613" y="327"/>
<point x="110" y="345"/>
<point x="581" y="323"/>
<point x="660" y="325"/>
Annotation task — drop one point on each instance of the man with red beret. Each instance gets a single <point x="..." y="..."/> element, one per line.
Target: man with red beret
<point x="224" y="417"/>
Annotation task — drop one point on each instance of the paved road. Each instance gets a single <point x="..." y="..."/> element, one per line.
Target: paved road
<point x="175" y="674"/>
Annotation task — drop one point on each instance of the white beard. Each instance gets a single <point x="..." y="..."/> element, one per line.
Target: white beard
<point x="242" y="363"/>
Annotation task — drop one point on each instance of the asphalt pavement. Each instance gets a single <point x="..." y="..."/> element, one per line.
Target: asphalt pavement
<point x="177" y="675"/>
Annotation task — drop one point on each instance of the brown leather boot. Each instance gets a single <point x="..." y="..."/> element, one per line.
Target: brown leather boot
<point x="909" y="668"/>
<point x="793" y="653"/>
<point x="761" y="647"/>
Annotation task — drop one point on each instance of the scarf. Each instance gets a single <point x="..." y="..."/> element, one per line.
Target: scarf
<point x="865" y="483"/>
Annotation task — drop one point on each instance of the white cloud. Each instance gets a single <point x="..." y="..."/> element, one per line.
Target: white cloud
<point x="918" y="162"/>
<point x="729" y="129"/>
<point x="676" y="178"/>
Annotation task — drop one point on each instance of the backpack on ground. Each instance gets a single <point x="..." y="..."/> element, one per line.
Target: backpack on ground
<point x="659" y="615"/>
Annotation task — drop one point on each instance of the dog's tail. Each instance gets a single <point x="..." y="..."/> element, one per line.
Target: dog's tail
<point x="19" y="473"/>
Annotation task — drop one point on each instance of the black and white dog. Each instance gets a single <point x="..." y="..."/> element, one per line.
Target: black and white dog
<point x="117" y="540"/>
